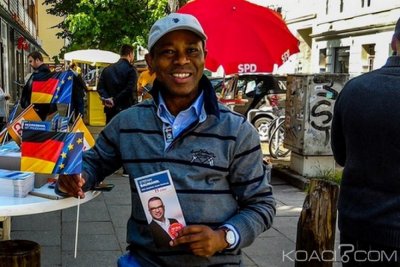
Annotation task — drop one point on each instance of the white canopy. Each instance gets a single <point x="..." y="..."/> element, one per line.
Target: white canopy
<point x="92" y="56"/>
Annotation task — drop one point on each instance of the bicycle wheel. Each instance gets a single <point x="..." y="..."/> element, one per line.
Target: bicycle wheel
<point x="262" y="123"/>
<point x="273" y="124"/>
<point x="275" y="145"/>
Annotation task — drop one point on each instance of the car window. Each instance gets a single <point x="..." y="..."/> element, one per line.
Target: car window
<point x="250" y="87"/>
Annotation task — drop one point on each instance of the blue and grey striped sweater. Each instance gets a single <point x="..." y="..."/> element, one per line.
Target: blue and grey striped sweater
<point x="216" y="167"/>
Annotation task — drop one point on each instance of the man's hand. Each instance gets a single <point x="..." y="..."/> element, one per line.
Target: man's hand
<point x="108" y="102"/>
<point x="201" y="240"/>
<point x="71" y="184"/>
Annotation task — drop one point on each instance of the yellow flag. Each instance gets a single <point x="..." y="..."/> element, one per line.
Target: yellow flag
<point x="80" y="127"/>
<point x="15" y="127"/>
<point x="3" y="134"/>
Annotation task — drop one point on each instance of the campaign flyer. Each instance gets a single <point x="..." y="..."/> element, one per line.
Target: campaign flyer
<point x="160" y="203"/>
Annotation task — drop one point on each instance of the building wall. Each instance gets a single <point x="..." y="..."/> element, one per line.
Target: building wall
<point x="50" y="43"/>
<point x="330" y="25"/>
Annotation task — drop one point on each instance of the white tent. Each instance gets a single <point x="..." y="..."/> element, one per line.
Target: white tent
<point x="94" y="57"/>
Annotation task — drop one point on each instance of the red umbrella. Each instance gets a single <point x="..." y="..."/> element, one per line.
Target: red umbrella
<point x="242" y="37"/>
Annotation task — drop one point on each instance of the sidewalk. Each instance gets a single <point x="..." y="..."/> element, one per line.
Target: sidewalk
<point x="102" y="229"/>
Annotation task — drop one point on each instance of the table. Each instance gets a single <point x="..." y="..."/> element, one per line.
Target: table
<point x="15" y="206"/>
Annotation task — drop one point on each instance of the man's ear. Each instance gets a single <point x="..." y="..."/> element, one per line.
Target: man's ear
<point x="397" y="46"/>
<point x="393" y="44"/>
<point x="148" y="59"/>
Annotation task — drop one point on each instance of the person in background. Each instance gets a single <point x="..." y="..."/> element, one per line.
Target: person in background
<point x="213" y="154"/>
<point x="3" y="107"/>
<point x="40" y="70"/>
<point x="145" y="83"/>
<point x="366" y="141"/>
<point x="117" y="84"/>
<point x="78" y="92"/>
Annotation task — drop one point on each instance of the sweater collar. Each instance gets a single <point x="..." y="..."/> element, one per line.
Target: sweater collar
<point x="210" y="98"/>
<point x="393" y="61"/>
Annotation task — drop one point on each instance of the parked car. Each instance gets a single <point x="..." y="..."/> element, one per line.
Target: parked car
<point x="263" y="97"/>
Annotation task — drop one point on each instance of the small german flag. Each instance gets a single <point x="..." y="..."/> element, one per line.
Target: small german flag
<point x="56" y="87"/>
<point x="51" y="152"/>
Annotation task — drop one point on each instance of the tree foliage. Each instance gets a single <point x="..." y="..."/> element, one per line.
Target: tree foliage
<point x="105" y="24"/>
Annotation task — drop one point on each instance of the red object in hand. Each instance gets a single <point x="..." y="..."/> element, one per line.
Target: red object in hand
<point x="174" y="229"/>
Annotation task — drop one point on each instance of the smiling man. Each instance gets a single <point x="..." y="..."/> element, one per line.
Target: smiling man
<point x="213" y="155"/>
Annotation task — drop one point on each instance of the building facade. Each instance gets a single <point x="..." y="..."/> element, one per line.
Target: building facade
<point x="18" y="37"/>
<point x="338" y="36"/>
<point x="47" y="33"/>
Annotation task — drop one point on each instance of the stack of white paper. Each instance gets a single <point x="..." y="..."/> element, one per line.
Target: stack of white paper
<point x="16" y="183"/>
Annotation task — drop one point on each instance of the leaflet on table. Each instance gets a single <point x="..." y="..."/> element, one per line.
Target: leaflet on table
<point x="160" y="185"/>
<point x="58" y="124"/>
<point x="37" y="125"/>
<point x="16" y="183"/>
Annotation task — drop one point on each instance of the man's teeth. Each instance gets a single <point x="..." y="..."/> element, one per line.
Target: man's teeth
<point x="181" y="75"/>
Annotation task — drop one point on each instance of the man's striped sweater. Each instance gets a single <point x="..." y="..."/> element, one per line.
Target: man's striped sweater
<point x="216" y="167"/>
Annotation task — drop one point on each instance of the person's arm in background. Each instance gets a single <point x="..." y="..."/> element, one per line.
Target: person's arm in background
<point x="130" y="88"/>
<point x="338" y="141"/>
<point x="101" y="85"/>
<point x="26" y="93"/>
<point x="102" y="91"/>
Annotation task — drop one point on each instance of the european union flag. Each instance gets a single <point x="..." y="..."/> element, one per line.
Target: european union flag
<point x="56" y="87"/>
<point x="51" y="152"/>
<point x="70" y="159"/>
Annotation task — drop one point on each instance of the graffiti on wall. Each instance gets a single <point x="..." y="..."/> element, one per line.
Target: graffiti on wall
<point x="309" y="112"/>
<point x="321" y="110"/>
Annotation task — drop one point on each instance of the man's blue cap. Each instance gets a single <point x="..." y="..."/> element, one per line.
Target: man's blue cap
<point x="173" y="22"/>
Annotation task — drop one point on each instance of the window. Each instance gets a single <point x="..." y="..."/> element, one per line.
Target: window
<point x="362" y="3"/>
<point x="342" y="56"/>
<point x="368" y="57"/>
<point x="341" y="6"/>
<point x="322" y="60"/>
<point x="368" y="2"/>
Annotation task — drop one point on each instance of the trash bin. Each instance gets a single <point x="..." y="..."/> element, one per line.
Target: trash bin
<point x="19" y="253"/>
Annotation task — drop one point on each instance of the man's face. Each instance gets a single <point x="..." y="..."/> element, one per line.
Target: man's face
<point x="34" y="63"/>
<point x="156" y="208"/>
<point x="178" y="61"/>
<point x="131" y="57"/>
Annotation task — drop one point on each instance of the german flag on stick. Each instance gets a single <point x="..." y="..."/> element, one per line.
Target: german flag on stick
<point x="56" y="87"/>
<point x="51" y="152"/>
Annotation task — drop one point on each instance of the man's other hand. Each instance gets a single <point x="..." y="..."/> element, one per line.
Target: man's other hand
<point x="201" y="240"/>
<point x="71" y="184"/>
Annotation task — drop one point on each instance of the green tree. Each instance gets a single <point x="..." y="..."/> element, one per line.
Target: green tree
<point x="174" y="5"/>
<point x="105" y="24"/>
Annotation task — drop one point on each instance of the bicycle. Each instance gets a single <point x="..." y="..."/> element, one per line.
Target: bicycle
<point x="276" y="138"/>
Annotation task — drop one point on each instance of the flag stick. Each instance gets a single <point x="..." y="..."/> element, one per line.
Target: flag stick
<point x="77" y="226"/>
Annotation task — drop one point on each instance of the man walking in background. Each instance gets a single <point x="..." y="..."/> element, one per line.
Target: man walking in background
<point x="366" y="141"/>
<point x="40" y="72"/>
<point x="117" y="84"/>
